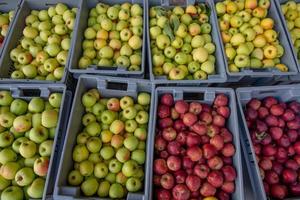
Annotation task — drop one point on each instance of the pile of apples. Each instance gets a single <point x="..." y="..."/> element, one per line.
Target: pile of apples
<point x="249" y="36"/>
<point x="113" y="37"/>
<point x="5" y="19"/>
<point x="110" y="152"/>
<point x="193" y="150"/>
<point x="26" y="142"/>
<point x="274" y="131"/>
<point x="43" y="50"/>
<point x="291" y="11"/>
<point x="181" y="43"/>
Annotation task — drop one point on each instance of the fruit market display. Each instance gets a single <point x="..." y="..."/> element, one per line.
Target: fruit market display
<point x="193" y="150"/>
<point x="5" y="19"/>
<point x="109" y="155"/>
<point x="43" y="50"/>
<point x="114" y="37"/>
<point x="26" y="141"/>
<point x="291" y="11"/>
<point x="181" y="42"/>
<point x="248" y="35"/>
<point x="274" y="130"/>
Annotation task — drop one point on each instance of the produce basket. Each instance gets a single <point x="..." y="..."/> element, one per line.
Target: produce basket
<point x="219" y="76"/>
<point x="251" y="76"/>
<point x="6" y="64"/>
<point x="7" y="6"/>
<point x="27" y="92"/>
<point x="278" y="3"/>
<point x="104" y="70"/>
<point x="108" y="87"/>
<point x="284" y="93"/>
<point x="202" y="95"/>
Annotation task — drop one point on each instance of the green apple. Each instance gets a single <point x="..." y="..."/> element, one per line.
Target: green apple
<point x="38" y="134"/>
<point x="114" y="166"/>
<point x="103" y="190"/>
<point x="130" y="168"/>
<point x="36" y="189"/>
<point x="80" y="153"/>
<point x="28" y="149"/>
<point x="12" y="193"/>
<point x="22" y="123"/>
<point x="24" y="176"/>
<point x="49" y="118"/>
<point x="4" y="183"/>
<point x="107" y="152"/>
<point x="94" y="144"/>
<point x="89" y="187"/>
<point x="7" y="155"/>
<point x="100" y="170"/>
<point x="86" y="168"/>
<point x="45" y="148"/>
<point x="6" y="139"/>
<point x="116" y="191"/>
<point x="75" y="178"/>
<point x="123" y="155"/>
<point x="17" y="143"/>
<point x="117" y="126"/>
<point x="139" y="156"/>
<point x="9" y="170"/>
<point x="133" y="184"/>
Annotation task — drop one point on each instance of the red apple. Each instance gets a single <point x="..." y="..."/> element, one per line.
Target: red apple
<point x="221" y="100"/>
<point x="167" y="99"/>
<point x="209" y="151"/>
<point x="195" y="108"/>
<point x="174" y="148"/>
<point x="215" y="163"/>
<point x="169" y="134"/>
<point x="174" y="163"/>
<point x="181" y="192"/>
<point x="194" y="153"/>
<point x="215" y="178"/>
<point x="163" y="111"/>
<point x="181" y="106"/>
<point x="167" y="181"/>
<point x="207" y="190"/>
<point x="160" y="166"/>
<point x="217" y="141"/>
<point x="229" y="173"/>
<point x="193" y="182"/>
<point x="201" y="170"/>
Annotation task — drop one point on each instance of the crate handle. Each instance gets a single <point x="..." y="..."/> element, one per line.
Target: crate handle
<point x="193" y="96"/>
<point x="177" y="2"/>
<point x="114" y="85"/>
<point x="3" y="3"/>
<point x="30" y="92"/>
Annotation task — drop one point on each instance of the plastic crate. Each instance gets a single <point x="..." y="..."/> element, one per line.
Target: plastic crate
<point x="108" y="87"/>
<point x="6" y="6"/>
<point x="283" y="22"/>
<point x="205" y="95"/>
<point x="27" y="92"/>
<point x="77" y="46"/>
<point x="6" y="64"/>
<point x="220" y="76"/>
<point x="267" y="75"/>
<point x="284" y="93"/>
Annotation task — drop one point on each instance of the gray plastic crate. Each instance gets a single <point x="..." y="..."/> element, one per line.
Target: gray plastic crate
<point x="6" y="6"/>
<point x="205" y="95"/>
<point x="27" y="92"/>
<point x="283" y="22"/>
<point x="284" y="93"/>
<point x="250" y="75"/>
<point x="108" y="87"/>
<point x="77" y="46"/>
<point x="6" y="64"/>
<point x="220" y="76"/>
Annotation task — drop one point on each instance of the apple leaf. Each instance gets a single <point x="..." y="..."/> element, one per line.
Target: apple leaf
<point x="168" y="31"/>
<point x="160" y="11"/>
<point x="175" y="22"/>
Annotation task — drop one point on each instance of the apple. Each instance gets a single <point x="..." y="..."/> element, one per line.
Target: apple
<point x="24" y="176"/>
<point x="36" y="189"/>
<point x="12" y="193"/>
